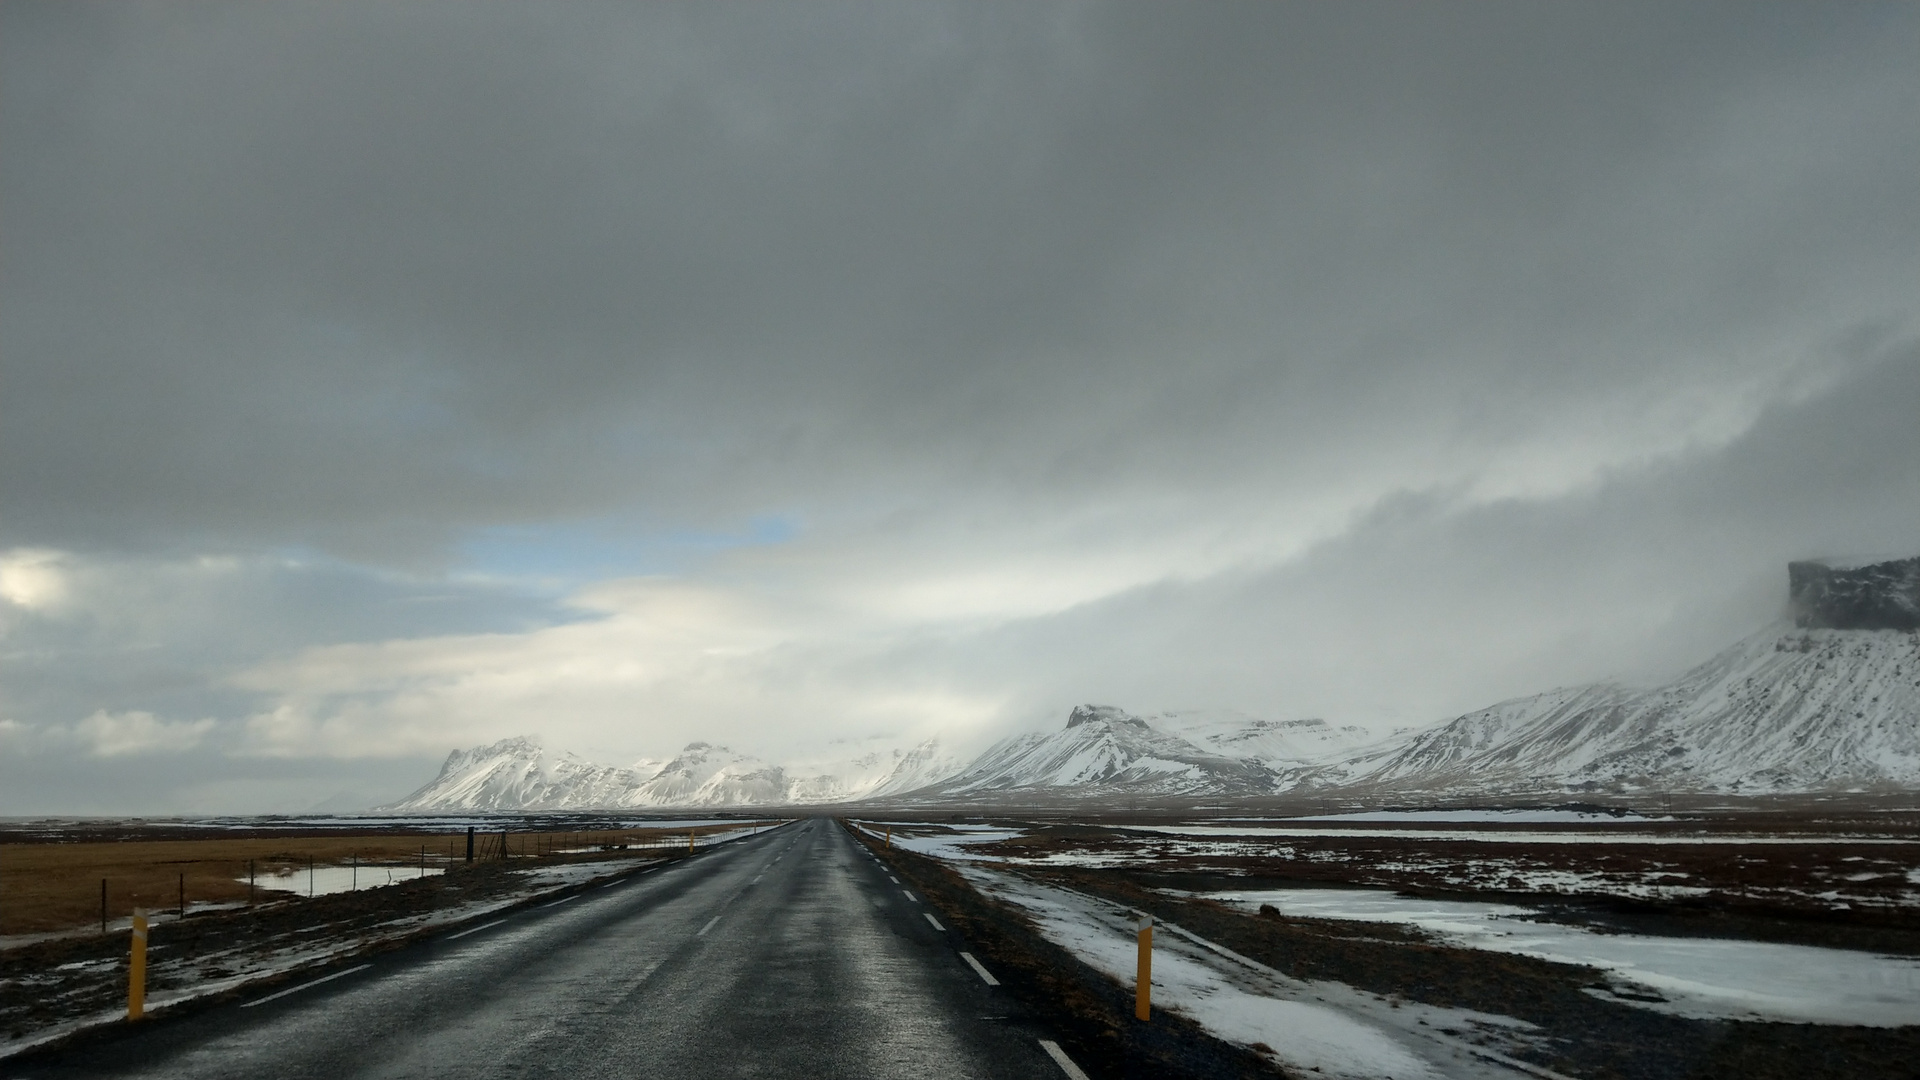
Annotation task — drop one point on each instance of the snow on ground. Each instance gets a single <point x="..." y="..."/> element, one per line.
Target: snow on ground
<point x="1700" y="978"/>
<point x="484" y="821"/>
<point x="1503" y="836"/>
<point x="689" y="823"/>
<point x="950" y="843"/>
<point x="1327" y="1027"/>
<point x="1483" y="817"/>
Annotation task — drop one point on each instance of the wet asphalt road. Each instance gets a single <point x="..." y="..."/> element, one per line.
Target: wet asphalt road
<point x="790" y="954"/>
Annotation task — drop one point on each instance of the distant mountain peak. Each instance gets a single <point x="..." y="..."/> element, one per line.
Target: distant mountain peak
<point x="1105" y="714"/>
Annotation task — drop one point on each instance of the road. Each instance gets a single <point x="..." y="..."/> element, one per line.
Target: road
<point x="789" y="954"/>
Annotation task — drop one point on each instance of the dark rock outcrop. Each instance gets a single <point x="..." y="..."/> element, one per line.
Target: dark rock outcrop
<point x="1883" y="596"/>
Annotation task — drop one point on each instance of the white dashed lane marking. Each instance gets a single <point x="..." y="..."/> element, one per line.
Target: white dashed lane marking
<point x="910" y="897"/>
<point x="934" y="921"/>
<point x="709" y="926"/>
<point x="985" y="975"/>
<point x="1061" y="1059"/>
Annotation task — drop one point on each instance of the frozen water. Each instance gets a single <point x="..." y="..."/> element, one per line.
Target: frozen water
<point x="1704" y="978"/>
<point x="326" y="880"/>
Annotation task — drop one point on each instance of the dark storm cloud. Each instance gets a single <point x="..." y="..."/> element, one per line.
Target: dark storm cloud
<point x="368" y="275"/>
<point x="1430" y="606"/>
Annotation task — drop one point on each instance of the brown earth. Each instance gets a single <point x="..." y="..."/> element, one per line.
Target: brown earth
<point x="1753" y="891"/>
<point x="1589" y="1036"/>
<point x="1852" y="895"/>
<point x="50" y="884"/>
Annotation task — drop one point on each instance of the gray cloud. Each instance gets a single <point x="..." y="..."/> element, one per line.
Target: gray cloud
<point x="980" y="344"/>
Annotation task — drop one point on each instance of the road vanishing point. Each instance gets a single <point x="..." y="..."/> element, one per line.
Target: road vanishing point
<point x="787" y="954"/>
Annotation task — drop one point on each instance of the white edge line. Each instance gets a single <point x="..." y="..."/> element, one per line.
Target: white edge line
<point x="1482" y="1052"/>
<point x="934" y="921"/>
<point x="477" y="929"/>
<point x="562" y="900"/>
<point x="305" y="985"/>
<point x="985" y="975"/>
<point x="909" y="896"/>
<point x="709" y="926"/>
<point x="1061" y="1059"/>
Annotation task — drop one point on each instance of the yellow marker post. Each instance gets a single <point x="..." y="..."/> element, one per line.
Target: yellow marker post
<point x="137" y="967"/>
<point x="689" y="843"/>
<point x="889" y="838"/>
<point x="1143" y="985"/>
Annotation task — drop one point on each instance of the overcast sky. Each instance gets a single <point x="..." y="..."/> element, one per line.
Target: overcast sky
<point x="382" y="378"/>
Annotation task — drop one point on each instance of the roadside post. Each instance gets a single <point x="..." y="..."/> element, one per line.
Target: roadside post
<point x="689" y="842"/>
<point x="1143" y="978"/>
<point x="249" y="882"/>
<point x="469" y="843"/>
<point x="889" y="837"/>
<point x="137" y="967"/>
<point x="103" y="905"/>
<point x="183" y="896"/>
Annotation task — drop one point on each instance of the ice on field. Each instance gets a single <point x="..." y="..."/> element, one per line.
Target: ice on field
<point x="1700" y="978"/>
<point x="1323" y="1027"/>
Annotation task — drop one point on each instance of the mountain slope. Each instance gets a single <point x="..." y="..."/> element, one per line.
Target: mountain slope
<point x="518" y="774"/>
<point x="1101" y="751"/>
<point x="1280" y="745"/>
<point x="1782" y="711"/>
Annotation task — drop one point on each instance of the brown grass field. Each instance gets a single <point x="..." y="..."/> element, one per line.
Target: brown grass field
<point x="53" y="886"/>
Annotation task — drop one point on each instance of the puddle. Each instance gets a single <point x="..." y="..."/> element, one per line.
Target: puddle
<point x="327" y="880"/>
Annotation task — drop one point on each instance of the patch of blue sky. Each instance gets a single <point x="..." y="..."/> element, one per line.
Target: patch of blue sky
<point x="342" y="601"/>
<point x="565" y="554"/>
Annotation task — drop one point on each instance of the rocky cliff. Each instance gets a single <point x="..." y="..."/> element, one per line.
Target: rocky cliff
<point x="1881" y="596"/>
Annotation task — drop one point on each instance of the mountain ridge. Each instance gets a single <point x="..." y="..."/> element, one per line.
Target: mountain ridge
<point x="1827" y="702"/>
<point x="518" y="774"/>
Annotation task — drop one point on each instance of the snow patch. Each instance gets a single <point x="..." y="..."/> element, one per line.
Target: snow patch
<point x="1699" y="978"/>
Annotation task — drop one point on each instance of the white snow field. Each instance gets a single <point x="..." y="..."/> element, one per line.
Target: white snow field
<point x="1327" y="1028"/>
<point x="1699" y="978"/>
<point x="1474" y="817"/>
<point x="1507" y="836"/>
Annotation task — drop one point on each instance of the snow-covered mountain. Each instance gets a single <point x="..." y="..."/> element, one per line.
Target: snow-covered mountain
<point x="519" y="774"/>
<point x="1102" y="751"/>
<point x="1832" y="703"/>
<point x="1281" y="745"/>
<point x="1786" y="710"/>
